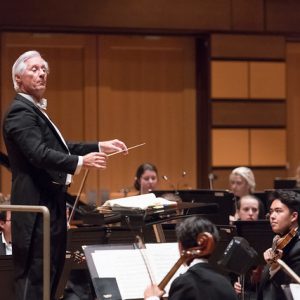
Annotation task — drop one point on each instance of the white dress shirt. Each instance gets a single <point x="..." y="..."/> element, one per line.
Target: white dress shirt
<point x="8" y="246"/>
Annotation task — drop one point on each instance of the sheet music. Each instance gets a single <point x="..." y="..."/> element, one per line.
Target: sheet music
<point x="139" y="201"/>
<point x="127" y="266"/>
<point x="163" y="258"/>
<point x="295" y="290"/>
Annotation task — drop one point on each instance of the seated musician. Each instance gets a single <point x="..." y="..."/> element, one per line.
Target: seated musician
<point x="5" y="228"/>
<point x="200" y="281"/>
<point x="146" y="178"/>
<point x="249" y="208"/>
<point x="284" y="218"/>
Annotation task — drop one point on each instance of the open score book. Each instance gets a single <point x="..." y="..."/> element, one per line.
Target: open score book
<point x="129" y="269"/>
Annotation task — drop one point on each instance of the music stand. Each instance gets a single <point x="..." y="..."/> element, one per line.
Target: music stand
<point x="258" y="233"/>
<point x="222" y="198"/>
<point x="285" y="183"/>
<point x="77" y="237"/>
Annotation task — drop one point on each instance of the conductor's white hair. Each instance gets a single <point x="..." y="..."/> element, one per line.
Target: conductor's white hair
<point x="19" y="65"/>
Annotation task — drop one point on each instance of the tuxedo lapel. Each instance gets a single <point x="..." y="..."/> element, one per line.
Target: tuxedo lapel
<point x="38" y="111"/>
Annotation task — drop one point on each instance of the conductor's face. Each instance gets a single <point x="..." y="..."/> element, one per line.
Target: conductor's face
<point x="34" y="78"/>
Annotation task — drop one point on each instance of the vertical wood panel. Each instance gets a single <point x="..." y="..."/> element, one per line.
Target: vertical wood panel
<point x="267" y="80"/>
<point x="71" y="90"/>
<point x="230" y="147"/>
<point x="147" y="94"/>
<point x="293" y="107"/>
<point x="268" y="147"/>
<point x="229" y="79"/>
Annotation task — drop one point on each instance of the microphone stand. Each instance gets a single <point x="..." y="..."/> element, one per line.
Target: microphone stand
<point x="211" y="178"/>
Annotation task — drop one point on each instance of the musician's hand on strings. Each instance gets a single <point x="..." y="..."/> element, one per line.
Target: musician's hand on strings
<point x="113" y="146"/>
<point x="271" y="257"/>
<point x="97" y="160"/>
<point x="152" y="291"/>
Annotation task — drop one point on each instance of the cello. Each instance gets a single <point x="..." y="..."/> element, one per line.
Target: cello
<point x="206" y="246"/>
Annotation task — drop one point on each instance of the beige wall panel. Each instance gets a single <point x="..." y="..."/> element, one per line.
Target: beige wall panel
<point x="147" y="94"/>
<point x="229" y="79"/>
<point x="268" y="147"/>
<point x="293" y="107"/>
<point x="71" y="90"/>
<point x="230" y="147"/>
<point x="267" y="80"/>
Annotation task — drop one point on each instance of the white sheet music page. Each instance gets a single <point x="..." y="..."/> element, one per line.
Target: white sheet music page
<point x="295" y="290"/>
<point x="162" y="258"/>
<point x="128" y="267"/>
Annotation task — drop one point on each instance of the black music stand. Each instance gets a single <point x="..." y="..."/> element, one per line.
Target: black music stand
<point x="285" y="183"/>
<point x="77" y="237"/>
<point x="258" y="233"/>
<point x="103" y="286"/>
<point x="222" y="198"/>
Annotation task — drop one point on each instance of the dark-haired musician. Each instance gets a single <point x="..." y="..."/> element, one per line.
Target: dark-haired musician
<point x="284" y="219"/>
<point x="200" y="281"/>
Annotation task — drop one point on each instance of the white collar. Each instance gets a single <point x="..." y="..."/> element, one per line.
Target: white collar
<point x="42" y="104"/>
<point x="198" y="260"/>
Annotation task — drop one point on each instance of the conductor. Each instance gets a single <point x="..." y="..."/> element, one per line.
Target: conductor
<point x="42" y="164"/>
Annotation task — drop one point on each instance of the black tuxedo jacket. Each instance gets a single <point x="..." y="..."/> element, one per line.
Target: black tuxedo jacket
<point x="201" y="282"/>
<point x="38" y="158"/>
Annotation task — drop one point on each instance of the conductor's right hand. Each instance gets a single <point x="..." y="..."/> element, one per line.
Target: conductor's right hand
<point x="96" y="160"/>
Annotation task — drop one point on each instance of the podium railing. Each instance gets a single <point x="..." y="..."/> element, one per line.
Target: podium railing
<point x="46" y="240"/>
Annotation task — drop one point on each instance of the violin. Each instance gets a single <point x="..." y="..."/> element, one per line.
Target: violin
<point x="206" y="246"/>
<point x="282" y="242"/>
<point x="279" y="243"/>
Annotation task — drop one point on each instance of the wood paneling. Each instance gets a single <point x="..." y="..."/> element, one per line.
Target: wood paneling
<point x="267" y="80"/>
<point x="71" y="91"/>
<point x="248" y="15"/>
<point x="229" y="79"/>
<point x="282" y="16"/>
<point x="249" y="114"/>
<point x="247" y="46"/>
<point x="230" y="147"/>
<point x="147" y="94"/>
<point x="117" y="15"/>
<point x="293" y="107"/>
<point x="268" y="147"/>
